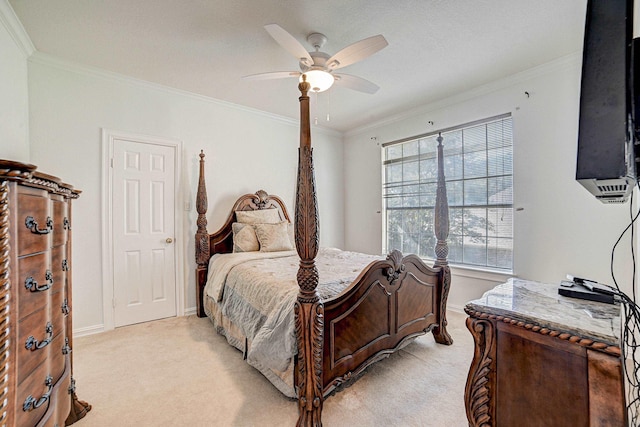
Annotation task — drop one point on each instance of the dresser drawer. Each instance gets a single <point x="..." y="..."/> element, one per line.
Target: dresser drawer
<point x="56" y="313"/>
<point x="34" y="222"/>
<point x="57" y="357"/>
<point x="61" y="223"/>
<point x="35" y="280"/>
<point x="61" y="400"/>
<point x="49" y="419"/>
<point x="33" y="332"/>
<point x="33" y="397"/>
<point x="59" y="267"/>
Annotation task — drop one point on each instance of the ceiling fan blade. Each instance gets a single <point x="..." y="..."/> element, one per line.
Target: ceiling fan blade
<point x="357" y="51"/>
<point x="289" y="43"/>
<point x="272" y="75"/>
<point x="356" y="83"/>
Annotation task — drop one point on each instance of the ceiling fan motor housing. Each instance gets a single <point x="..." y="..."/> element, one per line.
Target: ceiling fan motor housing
<point x="319" y="62"/>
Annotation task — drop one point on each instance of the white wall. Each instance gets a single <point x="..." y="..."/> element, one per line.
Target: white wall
<point x="561" y="228"/>
<point x="14" y="111"/>
<point x="245" y="151"/>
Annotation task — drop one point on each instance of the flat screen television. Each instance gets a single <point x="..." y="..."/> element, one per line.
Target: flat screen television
<point x="606" y="159"/>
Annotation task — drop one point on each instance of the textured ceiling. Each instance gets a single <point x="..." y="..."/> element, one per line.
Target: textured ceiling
<point x="437" y="48"/>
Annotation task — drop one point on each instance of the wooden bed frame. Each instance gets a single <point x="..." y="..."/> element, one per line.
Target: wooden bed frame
<point x="391" y="301"/>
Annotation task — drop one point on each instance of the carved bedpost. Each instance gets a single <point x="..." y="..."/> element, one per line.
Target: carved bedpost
<point x="309" y="310"/>
<point x="202" y="237"/>
<point x="441" y="227"/>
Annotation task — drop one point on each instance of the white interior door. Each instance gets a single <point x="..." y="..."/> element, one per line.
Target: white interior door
<point x="143" y="206"/>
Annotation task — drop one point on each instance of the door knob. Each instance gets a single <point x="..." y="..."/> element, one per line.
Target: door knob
<point x="169" y="240"/>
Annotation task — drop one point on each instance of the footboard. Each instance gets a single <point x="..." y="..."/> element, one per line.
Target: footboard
<point x="392" y="301"/>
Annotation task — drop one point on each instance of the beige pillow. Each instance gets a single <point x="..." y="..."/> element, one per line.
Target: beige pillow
<point x="273" y="237"/>
<point x="244" y="238"/>
<point x="292" y="235"/>
<point x="264" y="216"/>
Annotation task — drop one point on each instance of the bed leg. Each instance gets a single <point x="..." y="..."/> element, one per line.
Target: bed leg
<point x="309" y="317"/>
<point x="440" y="331"/>
<point x="201" y="280"/>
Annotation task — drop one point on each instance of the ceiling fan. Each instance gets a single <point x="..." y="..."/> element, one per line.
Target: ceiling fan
<point x="318" y="67"/>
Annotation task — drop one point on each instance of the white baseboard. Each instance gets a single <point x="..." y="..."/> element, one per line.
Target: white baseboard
<point x="97" y="329"/>
<point x="88" y="330"/>
<point x="456" y="308"/>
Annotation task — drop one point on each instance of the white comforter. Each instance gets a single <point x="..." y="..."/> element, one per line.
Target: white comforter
<point x="257" y="292"/>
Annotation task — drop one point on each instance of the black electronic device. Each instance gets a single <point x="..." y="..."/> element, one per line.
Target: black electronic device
<point x="584" y="293"/>
<point x="576" y="287"/>
<point x="591" y="285"/>
<point x="606" y="164"/>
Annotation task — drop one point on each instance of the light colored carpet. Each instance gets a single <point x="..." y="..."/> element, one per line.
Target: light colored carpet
<point x="180" y="372"/>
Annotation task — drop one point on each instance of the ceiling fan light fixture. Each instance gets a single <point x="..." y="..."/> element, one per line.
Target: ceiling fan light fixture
<point x="319" y="80"/>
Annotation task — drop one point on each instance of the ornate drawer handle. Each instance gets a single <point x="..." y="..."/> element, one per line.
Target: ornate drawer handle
<point x="66" y="224"/>
<point x="33" y="344"/>
<point x="65" y="265"/>
<point x="32" y="225"/>
<point x="66" y="349"/>
<point x="65" y="306"/>
<point x="33" y="286"/>
<point x="31" y="403"/>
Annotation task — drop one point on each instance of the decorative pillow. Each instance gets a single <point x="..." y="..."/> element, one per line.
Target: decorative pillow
<point x="244" y="238"/>
<point x="264" y="216"/>
<point x="292" y="234"/>
<point x="273" y="237"/>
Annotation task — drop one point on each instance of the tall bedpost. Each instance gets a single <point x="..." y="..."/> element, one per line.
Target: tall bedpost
<point x="309" y="310"/>
<point x="202" y="238"/>
<point x="441" y="227"/>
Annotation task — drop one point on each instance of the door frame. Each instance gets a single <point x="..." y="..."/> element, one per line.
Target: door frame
<point x="108" y="137"/>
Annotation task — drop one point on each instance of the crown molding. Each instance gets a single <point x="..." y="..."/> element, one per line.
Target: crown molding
<point x="14" y="27"/>
<point x="563" y="62"/>
<point x="74" y="67"/>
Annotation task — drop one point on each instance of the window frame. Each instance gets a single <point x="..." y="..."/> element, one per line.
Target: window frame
<point x="464" y="206"/>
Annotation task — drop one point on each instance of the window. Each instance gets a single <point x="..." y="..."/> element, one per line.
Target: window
<point x="478" y="167"/>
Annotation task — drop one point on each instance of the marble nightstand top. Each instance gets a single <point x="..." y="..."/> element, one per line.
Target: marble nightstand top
<point x="539" y="304"/>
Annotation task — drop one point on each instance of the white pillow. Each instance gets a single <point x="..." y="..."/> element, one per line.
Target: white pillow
<point x="244" y="238"/>
<point x="264" y="216"/>
<point x="273" y="237"/>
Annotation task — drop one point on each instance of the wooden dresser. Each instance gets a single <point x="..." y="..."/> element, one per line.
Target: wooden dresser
<point x="541" y="359"/>
<point x="35" y="299"/>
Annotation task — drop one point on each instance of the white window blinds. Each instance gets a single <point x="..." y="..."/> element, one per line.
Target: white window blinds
<point x="478" y="167"/>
